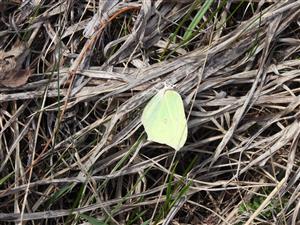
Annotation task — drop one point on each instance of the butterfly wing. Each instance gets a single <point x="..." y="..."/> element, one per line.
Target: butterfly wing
<point x="164" y="119"/>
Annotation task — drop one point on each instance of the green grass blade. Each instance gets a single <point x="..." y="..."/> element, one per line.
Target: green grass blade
<point x="146" y="222"/>
<point x="2" y="180"/>
<point x="92" y="220"/>
<point x="59" y="194"/>
<point x="187" y="35"/>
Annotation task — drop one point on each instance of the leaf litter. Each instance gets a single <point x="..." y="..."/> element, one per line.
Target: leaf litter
<point x="71" y="102"/>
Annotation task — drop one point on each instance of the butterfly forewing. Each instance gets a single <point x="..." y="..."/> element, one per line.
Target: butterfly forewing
<point x="177" y="122"/>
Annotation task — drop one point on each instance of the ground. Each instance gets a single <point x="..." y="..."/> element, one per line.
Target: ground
<point x="75" y="77"/>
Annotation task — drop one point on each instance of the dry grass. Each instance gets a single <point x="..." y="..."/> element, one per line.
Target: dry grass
<point x="72" y="147"/>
